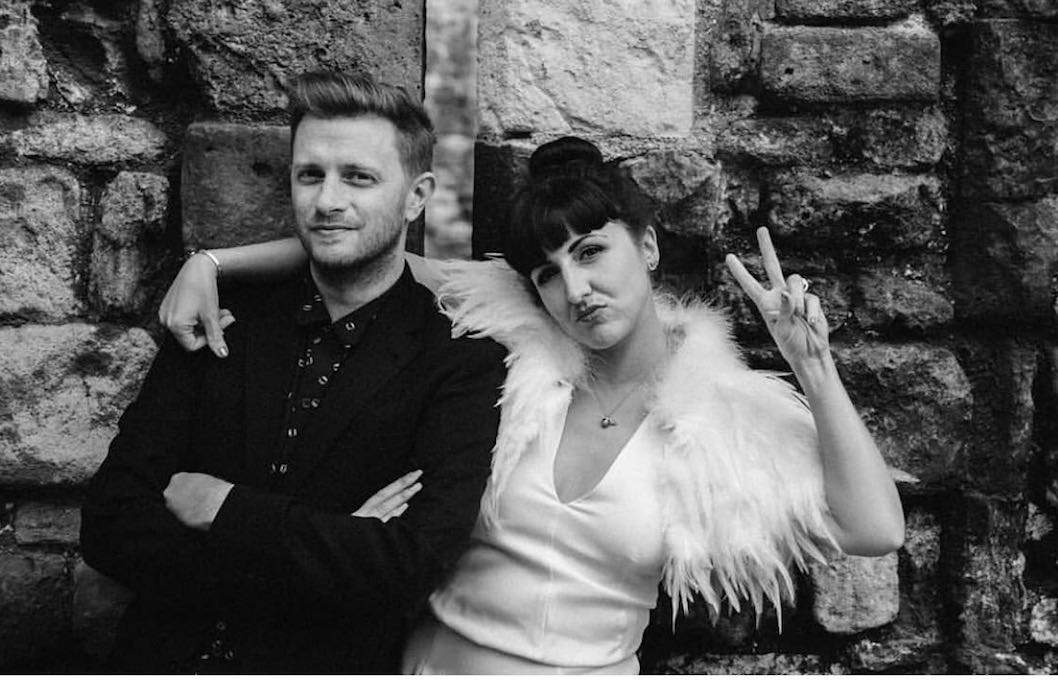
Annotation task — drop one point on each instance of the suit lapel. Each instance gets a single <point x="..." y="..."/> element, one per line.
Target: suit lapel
<point x="388" y="345"/>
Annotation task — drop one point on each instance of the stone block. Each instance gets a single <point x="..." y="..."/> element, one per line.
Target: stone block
<point x="64" y="388"/>
<point x="776" y="141"/>
<point x="1010" y="141"/>
<point x="687" y="189"/>
<point x="23" y="69"/>
<point x="890" y="137"/>
<point x="1028" y="9"/>
<point x="96" y="139"/>
<point x="134" y="205"/>
<point x="747" y="664"/>
<point x="39" y="239"/>
<point x="39" y="523"/>
<point x="856" y="212"/>
<point x="1005" y="260"/>
<point x="854" y="594"/>
<point x="731" y="45"/>
<point x="909" y="296"/>
<point x="809" y="11"/>
<point x="805" y="64"/>
<point x="35" y="616"/>
<point x="98" y="604"/>
<point x="150" y="36"/>
<point x="594" y="66"/>
<point x="917" y="402"/>
<point x="989" y="592"/>
<point x="242" y="54"/>
<point x="235" y="184"/>
<point x="1043" y="622"/>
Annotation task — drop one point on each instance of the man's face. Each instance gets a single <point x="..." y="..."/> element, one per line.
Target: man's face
<point x="349" y="190"/>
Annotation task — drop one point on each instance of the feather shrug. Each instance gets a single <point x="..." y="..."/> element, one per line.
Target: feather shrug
<point x="742" y="480"/>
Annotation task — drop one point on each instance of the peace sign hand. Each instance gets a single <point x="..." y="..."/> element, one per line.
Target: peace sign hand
<point x="793" y="316"/>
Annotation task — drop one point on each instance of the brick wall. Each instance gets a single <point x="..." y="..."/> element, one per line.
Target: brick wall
<point x="902" y="151"/>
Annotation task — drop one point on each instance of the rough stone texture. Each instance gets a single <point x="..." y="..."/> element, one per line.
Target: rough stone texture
<point x="1043" y="623"/>
<point x="748" y="664"/>
<point x="23" y="69"/>
<point x="833" y="65"/>
<point x="235" y="184"/>
<point x="989" y="586"/>
<point x="549" y="66"/>
<point x="98" y="139"/>
<point x="856" y="211"/>
<point x="98" y="603"/>
<point x="686" y="187"/>
<point x="732" y="46"/>
<point x="854" y="594"/>
<point x="807" y="11"/>
<point x="916" y="401"/>
<point x="150" y="36"/>
<point x="1034" y="9"/>
<point x="134" y="205"/>
<point x="904" y="297"/>
<point x="39" y="236"/>
<point x="64" y="388"/>
<point x="41" y="523"/>
<point x="1006" y="252"/>
<point x="1011" y="109"/>
<point x="35" y="616"/>
<point x="244" y="50"/>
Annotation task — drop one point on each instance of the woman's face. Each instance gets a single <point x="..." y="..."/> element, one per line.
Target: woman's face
<point x="596" y="285"/>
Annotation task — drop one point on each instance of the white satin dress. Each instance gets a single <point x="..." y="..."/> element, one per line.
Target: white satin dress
<point x="554" y="587"/>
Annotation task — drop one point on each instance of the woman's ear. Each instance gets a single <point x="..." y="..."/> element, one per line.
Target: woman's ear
<point x="648" y="243"/>
<point x="419" y="192"/>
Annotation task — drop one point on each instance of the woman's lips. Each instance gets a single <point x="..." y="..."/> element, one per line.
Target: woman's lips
<point x="588" y="313"/>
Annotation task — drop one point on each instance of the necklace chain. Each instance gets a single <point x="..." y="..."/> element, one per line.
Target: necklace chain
<point x="607" y="419"/>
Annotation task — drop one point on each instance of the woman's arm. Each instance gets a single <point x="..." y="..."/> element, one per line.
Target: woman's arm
<point x="867" y="517"/>
<point x="190" y="309"/>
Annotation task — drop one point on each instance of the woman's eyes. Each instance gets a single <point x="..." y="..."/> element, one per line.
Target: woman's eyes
<point x="544" y="275"/>
<point x="588" y="252"/>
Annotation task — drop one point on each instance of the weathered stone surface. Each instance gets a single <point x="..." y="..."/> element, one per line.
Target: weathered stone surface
<point x="235" y="184"/>
<point x="34" y="618"/>
<point x="853" y="594"/>
<point x="1005" y="258"/>
<point x="732" y="46"/>
<point x="23" y="69"/>
<point x="904" y="297"/>
<point x="1011" y="108"/>
<point x="39" y="236"/>
<point x="150" y="36"/>
<point x="856" y="211"/>
<point x="549" y="66"/>
<point x="64" y="388"/>
<point x="831" y="10"/>
<point x="72" y="137"/>
<point x="1034" y="9"/>
<point x="747" y="664"/>
<point x="831" y="65"/>
<point x="989" y="590"/>
<point x="98" y="603"/>
<point x="684" y="185"/>
<point x="916" y="401"/>
<point x="244" y="52"/>
<point x="777" y="141"/>
<point x="1043" y="623"/>
<point x="946" y="13"/>
<point x="134" y="204"/>
<point x="38" y="523"/>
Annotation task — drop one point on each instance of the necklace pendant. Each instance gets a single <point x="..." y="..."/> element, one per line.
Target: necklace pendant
<point x="606" y="422"/>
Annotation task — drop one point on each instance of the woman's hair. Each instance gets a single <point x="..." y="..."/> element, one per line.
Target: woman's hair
<point x="569" y="190"/>
<point x="332" y="94"/>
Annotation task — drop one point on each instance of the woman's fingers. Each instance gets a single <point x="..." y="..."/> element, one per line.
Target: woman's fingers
<point x="749" y="284"/>
<point x="396" y="513"/>
<point x="814" y="311"/>
<point x="795" y="289"/>
<point x="769" y="259"/>
<point x="389" y="499"/>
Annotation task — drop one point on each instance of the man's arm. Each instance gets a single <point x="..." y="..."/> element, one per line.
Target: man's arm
<point x="323" y="561"/>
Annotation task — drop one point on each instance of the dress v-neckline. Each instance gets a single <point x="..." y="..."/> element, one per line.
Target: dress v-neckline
<point x="553" y="487"/>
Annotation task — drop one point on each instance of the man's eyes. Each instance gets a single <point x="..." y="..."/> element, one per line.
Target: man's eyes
<point x="358" y="178"/>
<point x="354" y="177"/>
<point x="308" y="176"/>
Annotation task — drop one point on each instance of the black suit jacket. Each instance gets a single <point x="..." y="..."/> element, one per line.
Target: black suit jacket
<point x="286" y="580"/>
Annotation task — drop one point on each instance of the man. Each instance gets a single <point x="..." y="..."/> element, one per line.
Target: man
<point x="226" y="500"/>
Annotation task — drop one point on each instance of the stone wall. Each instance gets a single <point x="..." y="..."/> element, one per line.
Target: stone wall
<point x="902" y="151"/>
<point x="904" y="155"/>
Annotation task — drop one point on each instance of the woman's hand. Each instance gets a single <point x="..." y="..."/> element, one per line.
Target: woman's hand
<point x="393" y="499"/>
<point x="191" y="311"/>
<point x="793" y="316"/>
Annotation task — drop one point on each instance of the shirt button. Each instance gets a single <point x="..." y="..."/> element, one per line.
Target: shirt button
<point x="335" y="366"/>
<point x="306" y="308"/>
<point x="347" y="346"/>
<point x="315" y="403"/>
<point x="306" y="403"/>
<point x="322" y="380"/>
<point x="349" y="325"/>
<point x="301" y="362"/>
<point x="229" y="655"/>
<point x="283" y="469"/>
<point x="221" y="626"/>
<point x="292" y="432"/>
<point x="317" y="340"/>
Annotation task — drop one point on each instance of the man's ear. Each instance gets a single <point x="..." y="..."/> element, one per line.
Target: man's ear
<point x="419" y="192"/>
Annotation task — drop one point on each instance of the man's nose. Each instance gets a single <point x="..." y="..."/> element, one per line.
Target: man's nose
<point x="331" y="197"/>
<point x="576" y="282"/>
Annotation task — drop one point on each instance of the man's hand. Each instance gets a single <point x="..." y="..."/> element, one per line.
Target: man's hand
<point x="190" y="309"/>
<point x="195" y="498"/>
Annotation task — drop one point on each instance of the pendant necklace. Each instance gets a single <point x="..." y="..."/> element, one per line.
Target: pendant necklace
<point x="607" y="419"/>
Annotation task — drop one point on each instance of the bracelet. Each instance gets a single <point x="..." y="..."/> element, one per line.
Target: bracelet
<point x="208" y="254"/>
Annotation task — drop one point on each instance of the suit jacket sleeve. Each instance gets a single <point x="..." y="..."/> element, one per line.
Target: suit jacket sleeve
<point x="126" y="530"/>
<point x="311" y="559"/>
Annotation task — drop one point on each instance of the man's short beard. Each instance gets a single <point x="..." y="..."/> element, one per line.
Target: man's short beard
<point x="359" y="265"/>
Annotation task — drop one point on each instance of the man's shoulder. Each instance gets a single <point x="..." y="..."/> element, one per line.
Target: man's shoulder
<point x="438" y="334"/>
<point x="265" y="299"/>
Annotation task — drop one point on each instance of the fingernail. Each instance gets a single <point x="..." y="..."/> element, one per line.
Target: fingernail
<point x="222" y="351"/>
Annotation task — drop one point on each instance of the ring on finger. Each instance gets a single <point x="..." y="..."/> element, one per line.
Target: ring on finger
<point x="804" y="285"/>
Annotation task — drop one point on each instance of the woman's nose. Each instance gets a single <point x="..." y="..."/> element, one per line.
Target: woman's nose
<point x="577" y="287"/>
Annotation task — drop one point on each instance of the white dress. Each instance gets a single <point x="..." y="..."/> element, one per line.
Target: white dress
<point x="554" y="587"/>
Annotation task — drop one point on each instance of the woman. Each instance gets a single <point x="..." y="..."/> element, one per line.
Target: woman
<point x="634" y="445"/>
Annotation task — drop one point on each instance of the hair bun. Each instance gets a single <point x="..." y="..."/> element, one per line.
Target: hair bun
<point x="565" y="157"/>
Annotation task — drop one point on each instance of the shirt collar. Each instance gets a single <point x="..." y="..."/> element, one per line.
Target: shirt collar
<point x="312" y="312"/>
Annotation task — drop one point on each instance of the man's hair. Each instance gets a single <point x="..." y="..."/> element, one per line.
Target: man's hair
<point x="332" y="94"/>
